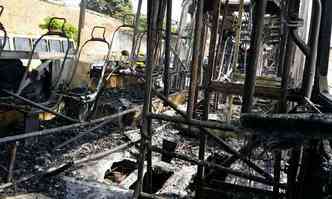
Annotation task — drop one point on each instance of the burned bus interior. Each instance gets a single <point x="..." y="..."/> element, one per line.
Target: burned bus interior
<point x="232" y="99"/>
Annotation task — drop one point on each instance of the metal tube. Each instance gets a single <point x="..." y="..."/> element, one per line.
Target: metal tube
<point x="151" y="196"/>
<point x="256" y="45"/>
<point x="300" y="43"/>
<point x="220" y="47"/>
<point x="238" y="37"/>
<point x="324" y="40"/>
<point x="101" y="155"/>
<point x="193" y="122"/>
<point x="226" y="187"/>
<point x="136" y="28"/>
<point x="195" y="59"/>
<point x="293" y="8"/>
<point x="39" y="106"/>
<point x="277" y="168"/>
<point x="146" y="128"/>
<point x="311" y="61"/>
<point x="64" y="128"/>
<point x="284" y="38"/>
<point x="168" y="47"/>
<point x="206" y="82"/>
<point x="12" y="160"/>
<point x="81" y="23"/>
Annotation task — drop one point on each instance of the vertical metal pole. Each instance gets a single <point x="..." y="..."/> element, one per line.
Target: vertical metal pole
<point x="81" y="23"/>
<point x="324" y="43"/>
<point x="178" y="43"/>
<point x="256" y="45"/>
<point x="201" y="55"/>
<point x="206" y="83"/>
<point x="238" y="37"/>
<point x="276" y="170"/>
<point x="136" y="30"/>
<point x="283" y="100"/>
<point x="12" y="160"/>
<point x="146" y="128"/>
<point x="195" y="58"/>
<point x="220" y="50"/>
<point x="310" y="184"/>
<point x="284" y="38"/>
<point x="220" y="47"/>
<point x="293" y="10"/>
<point x="168" y="47"/>
<point x="311" y="61"/>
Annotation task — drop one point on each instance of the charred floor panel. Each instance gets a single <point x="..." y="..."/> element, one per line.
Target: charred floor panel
<point x="231" y="101"/>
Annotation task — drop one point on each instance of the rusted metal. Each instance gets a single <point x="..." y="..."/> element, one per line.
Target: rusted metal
<point x="254" y="55"/>
<point x="195" y="59"/>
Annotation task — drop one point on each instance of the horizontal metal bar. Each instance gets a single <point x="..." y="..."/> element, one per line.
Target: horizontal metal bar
<point x="64" y="128"/>
<point x="226" y="188"/>
<point x="237" y="89"/>
<point x="106" y="153"/>
<point x="151" y="196"/>
<point x="193" y="122"/>
<point x="221" y="185"/>
<point x="213" y="165"/>
<point x="6" y="54"/>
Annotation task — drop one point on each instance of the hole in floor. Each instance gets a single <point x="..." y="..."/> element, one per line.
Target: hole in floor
<point x="119" y="171"/>
<point x="159" y="177"/>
